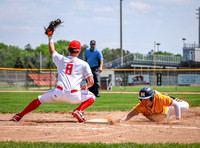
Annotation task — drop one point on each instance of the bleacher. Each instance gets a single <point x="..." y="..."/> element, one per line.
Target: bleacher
<point x="143" y="59"/>
<point x="43" y="79"/>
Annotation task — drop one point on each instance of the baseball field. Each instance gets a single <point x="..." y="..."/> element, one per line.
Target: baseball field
<point x="52" y="125"/>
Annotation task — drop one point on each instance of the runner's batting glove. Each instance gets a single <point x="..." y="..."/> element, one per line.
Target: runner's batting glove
<point x="52" y="26"/>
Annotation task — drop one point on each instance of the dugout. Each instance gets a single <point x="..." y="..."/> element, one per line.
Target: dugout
<point x="106" y="83"/>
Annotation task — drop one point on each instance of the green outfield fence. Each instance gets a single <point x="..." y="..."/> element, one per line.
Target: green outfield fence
<point x="31" y="79"/>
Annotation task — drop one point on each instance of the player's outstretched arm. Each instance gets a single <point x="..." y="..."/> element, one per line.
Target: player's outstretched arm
<point x="177" y="111"/>
<point x="128" y="116"/>
<point x="49" y="32"/>
<point x="51" y="45"/>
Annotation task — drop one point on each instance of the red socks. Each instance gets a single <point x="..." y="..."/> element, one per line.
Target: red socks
<point x="32" y="106"/>
<point x="85" y="104"/>
<point x="36" y="103"/>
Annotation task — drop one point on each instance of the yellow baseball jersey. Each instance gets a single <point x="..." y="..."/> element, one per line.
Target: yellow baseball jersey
<point x="159" y="108"/>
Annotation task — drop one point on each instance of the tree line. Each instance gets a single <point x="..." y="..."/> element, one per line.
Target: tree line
<point x="15" y="57"/>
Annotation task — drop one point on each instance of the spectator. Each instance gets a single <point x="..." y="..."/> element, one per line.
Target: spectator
<point x="120" y="83"/>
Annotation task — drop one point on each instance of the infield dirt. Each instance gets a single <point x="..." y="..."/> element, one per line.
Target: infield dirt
<point x="62" y="127"/>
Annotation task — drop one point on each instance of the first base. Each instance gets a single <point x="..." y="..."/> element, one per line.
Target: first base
<point x="97" y="121"/>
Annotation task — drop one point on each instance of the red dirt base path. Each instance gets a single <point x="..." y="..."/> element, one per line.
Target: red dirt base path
<point x="62" y="127"/>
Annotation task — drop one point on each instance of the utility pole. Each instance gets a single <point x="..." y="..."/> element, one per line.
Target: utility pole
<point x="154" y="74"/>
<point x="198" y="17"/>
<point x="40" y="60"/>
<point x="121" y="32"/>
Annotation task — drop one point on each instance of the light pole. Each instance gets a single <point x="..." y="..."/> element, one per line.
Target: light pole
<point x="154" y="74"/>
<point x="121" y="32"/>
<point x="183" y="41"/>
<point x="198" y="17"/>
<point x="158" y="44"/>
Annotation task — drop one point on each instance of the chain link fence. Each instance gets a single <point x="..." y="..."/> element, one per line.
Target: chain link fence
<point x="27" y="79"/>
<point x="34" y="79"/>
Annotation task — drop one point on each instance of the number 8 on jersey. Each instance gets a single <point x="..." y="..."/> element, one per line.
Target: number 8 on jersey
<point x="69" y="69"/>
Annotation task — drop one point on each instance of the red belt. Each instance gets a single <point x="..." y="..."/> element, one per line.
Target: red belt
<point x="59" y="88"/>
<point x="72" y="91"/>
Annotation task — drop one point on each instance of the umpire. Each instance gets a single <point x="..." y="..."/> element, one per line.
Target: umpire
<point x="94" y="58"/>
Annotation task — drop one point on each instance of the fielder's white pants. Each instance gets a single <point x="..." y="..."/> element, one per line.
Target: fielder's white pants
<point x="62" y="96"/>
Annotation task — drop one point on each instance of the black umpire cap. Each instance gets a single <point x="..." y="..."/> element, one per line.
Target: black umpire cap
<point x="92" y="42"/>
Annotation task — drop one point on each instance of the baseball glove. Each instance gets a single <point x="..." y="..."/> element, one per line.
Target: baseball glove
<point x="52" y="26"/>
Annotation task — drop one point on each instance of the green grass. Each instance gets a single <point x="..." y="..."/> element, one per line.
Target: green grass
<point x="93" y="145"/>
<point x="13" y="102"/>
<point x="16" y="101"/>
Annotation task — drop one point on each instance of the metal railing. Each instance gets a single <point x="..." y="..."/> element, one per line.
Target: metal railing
<point x="191" y="45"/>
<point x="141" y="58"/>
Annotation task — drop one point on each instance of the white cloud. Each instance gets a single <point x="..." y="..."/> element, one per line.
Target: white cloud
<point x="170" y="1"/>
<point x="22" y="18"/>
<point x="80" y="4"/>
<point x="104" y="9"/>
<point x="17" y="28"/>
<point x="18" y="11"/>
<point x="102" y="19"/>
<point x="139" y="5"/>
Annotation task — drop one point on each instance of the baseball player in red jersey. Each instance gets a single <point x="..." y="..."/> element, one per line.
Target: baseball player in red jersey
<point x="71" y="71"/>
<point x="156" y="106"/>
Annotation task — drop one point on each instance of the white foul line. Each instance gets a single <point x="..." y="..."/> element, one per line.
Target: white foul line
<point x="50" y="127"/>
<point x="94" y="128"/>
<point x="164" y="126"/>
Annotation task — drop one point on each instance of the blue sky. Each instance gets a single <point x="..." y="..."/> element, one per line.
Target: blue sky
<point x="144" y="21"/>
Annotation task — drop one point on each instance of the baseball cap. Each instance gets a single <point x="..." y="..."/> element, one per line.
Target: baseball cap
<point x="75" y="44"/>
<point x="146" y="93"/>
<point x="92" y="42"/>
